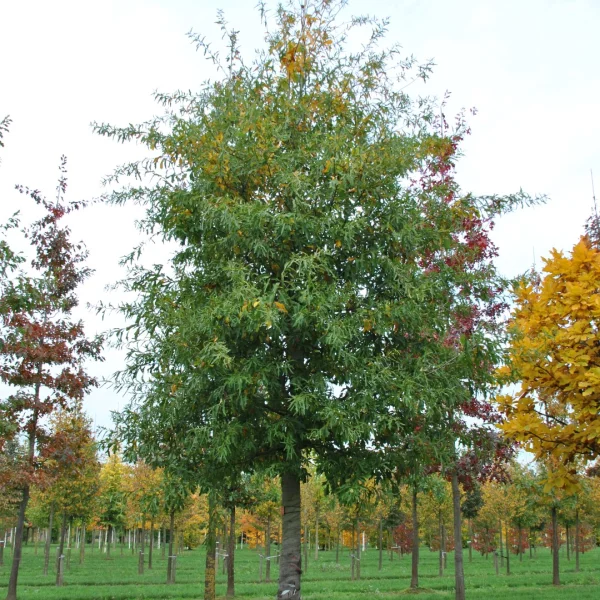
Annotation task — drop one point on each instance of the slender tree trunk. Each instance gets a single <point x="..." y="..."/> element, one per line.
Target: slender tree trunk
<point x="268" y="549"/>
<point x="470" y="540"/>
<point x="317" y="533"/>
<point x="48" y="540"/>
<point x="530" y="544"/>
<point x="357" y="549"/>
<point x="18" y="536"/>
<point x="141" y="558"/>
<point x="353" y="561"/>
<point x="459" y="574"/>
<point x="555" y="548"/>
<point x="507" y="545"/>
<point x="17" y="546"/>
<point x="290" y="565"/>
<point x="441" y="530"/>
<point x="151" y="543"/>
<point x="61" y="548"/>
<point x="210" y="574"/>
<point x="306" y="540"/>
<point x="380" y="544"/>
<point x="171" y="559"/>
<point x="414" y="576"/>
<point x="501" y="548"/>
<point x="568" y="542"/>
<point x="231" y="555"/>
<point x="337" y="547"/>
<point x="82" y="544"/>
<point x="108" y="531"/>
<point x="163" y="545"/>
<point x="577" y="540"/>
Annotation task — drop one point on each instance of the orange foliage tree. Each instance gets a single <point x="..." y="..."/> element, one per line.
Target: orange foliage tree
<point x="555" y="355"/>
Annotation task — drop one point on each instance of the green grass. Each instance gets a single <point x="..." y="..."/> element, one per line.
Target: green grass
<point x="117" y="579"/>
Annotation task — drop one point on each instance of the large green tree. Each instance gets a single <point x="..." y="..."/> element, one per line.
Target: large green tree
<point x="324" y="261"/>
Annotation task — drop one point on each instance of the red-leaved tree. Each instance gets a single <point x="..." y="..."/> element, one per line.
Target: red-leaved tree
<point x="42" y="349"/>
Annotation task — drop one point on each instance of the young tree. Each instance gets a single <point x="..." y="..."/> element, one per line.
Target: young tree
<point x="554" y="356"/>
<point x="42" y="349"/>
<point x="322" y="252"/>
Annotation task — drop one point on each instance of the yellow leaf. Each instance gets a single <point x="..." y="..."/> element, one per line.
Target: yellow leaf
<point x="281" y="306"/>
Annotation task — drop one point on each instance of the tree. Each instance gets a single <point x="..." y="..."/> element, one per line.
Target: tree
<point x="554" y="356"/>
<point x="321" y="247"/>
<point x="112" y="500"/>
<point x="42" y="349"/>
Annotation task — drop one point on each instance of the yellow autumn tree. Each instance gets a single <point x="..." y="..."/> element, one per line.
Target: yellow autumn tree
<point x="554" y="355"/>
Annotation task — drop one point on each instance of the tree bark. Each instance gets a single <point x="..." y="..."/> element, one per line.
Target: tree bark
<point x="577" y="540"/>
<point x="337" y="547"/>
<point x="441" y="531"/>
<point x="141" y="558"/>
<point x="414" y="576"/>
<point x="107" y="542"/>
<point x="357" y="549"/>
<point x="459" y="573"/>
<point x="470" y="540"/>
<point x="61" y="548"/>
<point x="317" y="533"/>
<point x="555" y="548"/>
<point x="231" y="555"/>
<point x="163" y="544"/>
<point x="151" y="543"/>
<point x="507" y="545"/>
<point x="290" y="565"/>
<point x="17" y="546"/>
<point x="170" y="561"/>
<point x="210" y="571"/>
<point x="268" y="549"/>
<point x="48" y="540"/>
<point x="501" y="549"/>
<point x="82" y="544"/>
<point x="380" y="544"/>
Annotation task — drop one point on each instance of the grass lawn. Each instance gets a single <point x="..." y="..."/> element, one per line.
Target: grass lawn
<point x="117" y="579"/>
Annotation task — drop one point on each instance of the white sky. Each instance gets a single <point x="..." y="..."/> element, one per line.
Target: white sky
<point x="529" y="67"/>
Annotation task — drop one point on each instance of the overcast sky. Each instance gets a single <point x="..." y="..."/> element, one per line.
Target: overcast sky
<point x="529" y="67"/>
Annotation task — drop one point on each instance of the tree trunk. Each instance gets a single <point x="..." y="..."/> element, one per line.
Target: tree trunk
<point x="441" y="531"/>
<point x="380" y="544"/>
<point x="414" y="576"/>
<point x="61" y="548"/>
<point x="82" y="544"/>
<point x="501" y="549"/>
<point x="357" y="549"/>
<point x="210" y="574"/>
<point x="568" y="542"/>
<point x="555" y="547"/>
<point x="107" y="542"/>
<point x="231" y="555"/>
<point x="317" y="533"/>
<point x="141" y="557"/>
<point x="290" y="565"/>
<point x="268" y="549"/>
<point x="17" y="546"/>
<point x="577" y="540"/>
<point x="48" y="540"/>
<point x="353" y="561"/>
<point x="163" y="546"/>
<point x="459" y="574"/>
<point x="337" y="547"/>
<point x="530" y="544"/>
<point x="151" y="543"/>
<point x="507" y="545"/>
<point x="171" y="559"/>
<point x="470" y="540"/>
